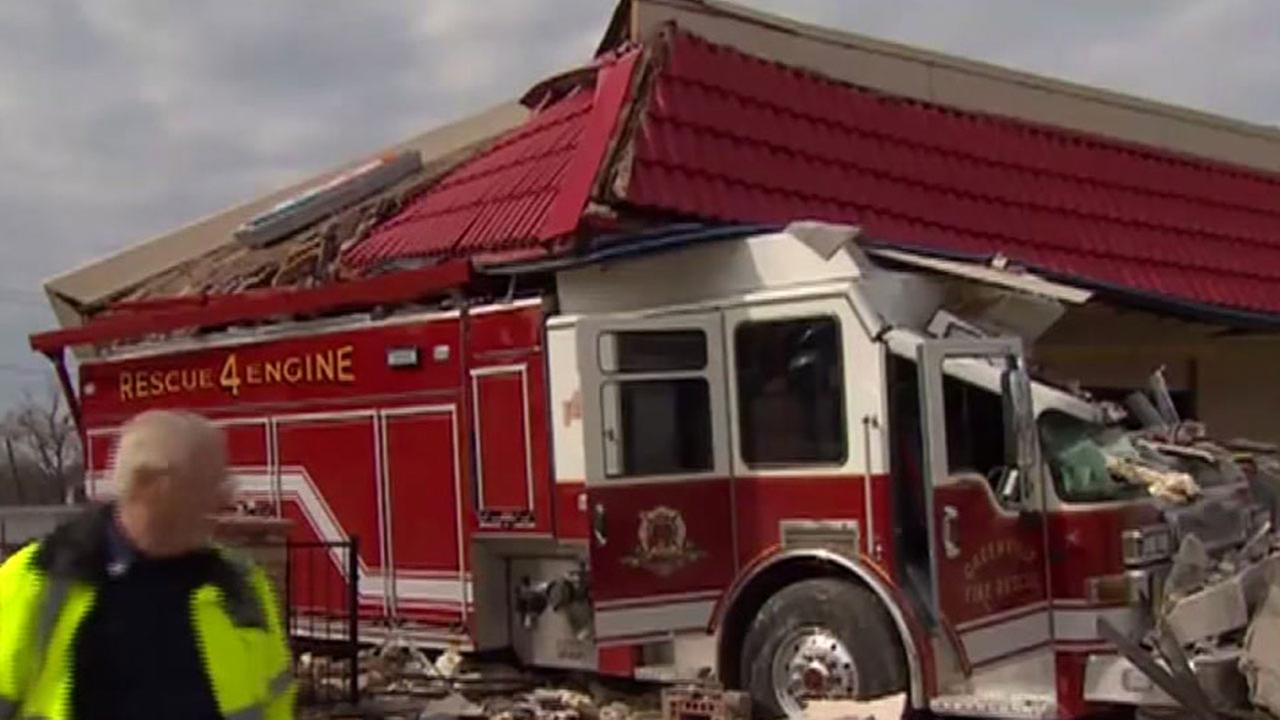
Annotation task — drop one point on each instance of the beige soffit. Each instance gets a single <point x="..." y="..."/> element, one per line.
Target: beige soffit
<point x="1021" y="281"/>
<point x="956" y="82"/>
<point x="103" y="278"/>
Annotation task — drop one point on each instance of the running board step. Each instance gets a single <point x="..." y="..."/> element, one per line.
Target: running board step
<point x="1014" y="707"/>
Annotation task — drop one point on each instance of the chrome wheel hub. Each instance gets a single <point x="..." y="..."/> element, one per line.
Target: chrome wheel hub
<point x="812" y="664"/>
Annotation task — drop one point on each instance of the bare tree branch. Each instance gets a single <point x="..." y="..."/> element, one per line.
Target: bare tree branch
<point x="44" y="434"/>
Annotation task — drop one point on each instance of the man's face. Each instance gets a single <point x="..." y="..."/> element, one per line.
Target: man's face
<point x="192" y="495"/>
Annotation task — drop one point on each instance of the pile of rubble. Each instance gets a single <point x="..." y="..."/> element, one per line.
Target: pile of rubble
<point x="566" y="704"/>
<point x="1214" y="645"/>
<point x="399" y="670"/>
<point x="398" y="682"/>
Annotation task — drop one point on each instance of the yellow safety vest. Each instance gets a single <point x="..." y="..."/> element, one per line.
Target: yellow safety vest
<point x="248" y="664"/>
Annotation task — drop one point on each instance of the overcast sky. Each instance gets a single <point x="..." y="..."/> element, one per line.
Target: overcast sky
<point x="120" y="119"/>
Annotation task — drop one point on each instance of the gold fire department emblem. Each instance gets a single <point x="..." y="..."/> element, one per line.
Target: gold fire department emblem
<point x="664" y="545"/>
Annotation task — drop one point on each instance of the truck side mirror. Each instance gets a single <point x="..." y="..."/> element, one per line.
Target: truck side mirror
<point x="1020" y="434"/>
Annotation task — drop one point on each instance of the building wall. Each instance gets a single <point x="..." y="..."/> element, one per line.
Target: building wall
<point x="1232" y="382"/>
<point x="1241" y="389"/>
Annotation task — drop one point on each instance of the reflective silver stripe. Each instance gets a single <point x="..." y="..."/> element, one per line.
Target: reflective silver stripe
<point x="253" y="712"/>
<point x="8" y="708"/>
<point x="55" y="597"/>
<point x="280" y="684"/>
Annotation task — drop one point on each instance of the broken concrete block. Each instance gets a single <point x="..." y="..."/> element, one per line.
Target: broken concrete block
<point x="1190" y="569"/>
<point x="1261" y="661"/>
<point x="1207" y="613"/>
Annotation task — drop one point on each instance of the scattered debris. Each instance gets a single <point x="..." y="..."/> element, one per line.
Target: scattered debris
<point x="446" y="666"/>
<point x="1168" y="485"/>
<point x="451" y="707"/>
<point x="616" y="711"/>
<point x="399" y="683"/>
<point x="1213" y="647"/>
<point x="550" y="704"/>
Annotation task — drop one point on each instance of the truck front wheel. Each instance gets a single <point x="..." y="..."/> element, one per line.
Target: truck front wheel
<point x="823" y="638"/>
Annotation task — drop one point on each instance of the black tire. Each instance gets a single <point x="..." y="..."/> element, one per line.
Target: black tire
<point x="849" y="612"/>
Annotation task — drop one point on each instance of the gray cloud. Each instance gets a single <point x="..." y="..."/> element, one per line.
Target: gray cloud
<point x="123" y="118"/>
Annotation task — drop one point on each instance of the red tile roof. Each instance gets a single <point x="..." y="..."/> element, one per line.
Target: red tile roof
<point x="714" y="134"/>
<point x="529" y="188"/>
<point x="731" y="137"/>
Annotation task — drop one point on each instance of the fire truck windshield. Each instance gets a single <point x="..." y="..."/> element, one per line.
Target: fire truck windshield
<point x="1083" y="457"/>
<point x="1076" y="451"/>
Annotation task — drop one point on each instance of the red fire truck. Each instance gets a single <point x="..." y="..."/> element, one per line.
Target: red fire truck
<point x="753" y="454"/>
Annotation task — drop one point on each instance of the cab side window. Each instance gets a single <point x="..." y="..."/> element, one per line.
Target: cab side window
<point x="976" y="434"/>
<point x="790" y="384"/>
<point x="656" y="403"/>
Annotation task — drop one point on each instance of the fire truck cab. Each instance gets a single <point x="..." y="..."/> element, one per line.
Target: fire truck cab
<point x="756" y="456"/>
<point x="773" y="448"/>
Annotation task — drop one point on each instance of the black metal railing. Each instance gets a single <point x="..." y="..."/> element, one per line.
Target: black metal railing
<point x="322" y="611"/>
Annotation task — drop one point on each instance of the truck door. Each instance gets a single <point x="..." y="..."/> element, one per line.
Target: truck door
<point x="985" y="505"/>
<point x="658" y="487"/>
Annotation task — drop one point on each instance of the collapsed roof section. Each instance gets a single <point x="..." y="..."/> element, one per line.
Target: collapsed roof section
<point x="717" y="135"/>
<point x="525" y="195"/>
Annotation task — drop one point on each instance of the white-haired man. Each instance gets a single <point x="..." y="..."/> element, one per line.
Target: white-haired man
<point x="130" y="612"/>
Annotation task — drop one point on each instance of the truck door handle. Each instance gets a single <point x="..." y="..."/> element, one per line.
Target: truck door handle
<point x="598" y="525"/>
<point x="949" y="545"/>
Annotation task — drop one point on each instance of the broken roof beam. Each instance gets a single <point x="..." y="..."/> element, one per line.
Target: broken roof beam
<point x="1023" y="281"/>
<point x="257" y="305"/>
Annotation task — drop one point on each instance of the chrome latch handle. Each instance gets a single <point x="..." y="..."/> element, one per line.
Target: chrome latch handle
<point x="950" y="545"/>
<point x="598" y="525"/>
